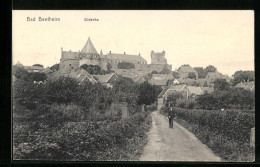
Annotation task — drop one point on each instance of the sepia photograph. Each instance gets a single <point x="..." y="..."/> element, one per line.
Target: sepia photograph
<point x="133" y="85"/>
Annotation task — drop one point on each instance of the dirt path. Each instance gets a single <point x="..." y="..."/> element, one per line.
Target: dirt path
<point x="177" y="144"/>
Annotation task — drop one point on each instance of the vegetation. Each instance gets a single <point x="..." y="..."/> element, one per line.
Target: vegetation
<point x="21" y="73"/>
<point x="227" y="132"/>
<point x="63" y="120"/>
<point x="95" y="69"/>
<point x="38" y="65"/>
<point x="55" y="67"/>
<point x="203" y="72"/>
<point x="125" y="65"/>
<point x="243" y="76"/>
<point x="192" y="75"/>
<point x="233" y="98"/>
<point x="221" y="84"/>
<point x="148" y="93"/>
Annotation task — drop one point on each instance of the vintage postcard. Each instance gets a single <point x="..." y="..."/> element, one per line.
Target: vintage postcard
<point x="133" y="85"/>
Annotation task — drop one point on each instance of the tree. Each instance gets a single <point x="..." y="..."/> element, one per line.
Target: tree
<point x="175" y="74"/>
<point x="206" y="101"/>
<point x="192" y="75"/>
<point x="210" y="68"/>
<point x="55" y="67"/>
<point x="242" y="76"/>
<point x="194" y="83"/>
<point x="62" y="91"/>
<point x="92" y="69"/>
<point x="125" y="65"/>
<point x="148" y="93"/>
<point x="38" y="65"/>
<point x="221" y="84"/>
<point x="20" y="73"/>
<point x="37" y="76"/>
<point x="201" y="72"/>
<point x="172" y="98"/>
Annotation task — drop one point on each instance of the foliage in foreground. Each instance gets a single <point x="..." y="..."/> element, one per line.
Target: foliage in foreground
<point x="77" y="138"/>
<point x="227" y="133"/>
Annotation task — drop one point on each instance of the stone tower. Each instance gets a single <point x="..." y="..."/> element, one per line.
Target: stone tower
<point x="158" y="58"/>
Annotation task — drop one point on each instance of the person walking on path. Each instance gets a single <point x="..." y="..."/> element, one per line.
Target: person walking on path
<point x="171" y="116"/>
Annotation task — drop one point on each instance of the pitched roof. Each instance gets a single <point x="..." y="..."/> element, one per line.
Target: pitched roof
<point x="79" y="74"/>
<point x="34" y="67"/>
<point x="214" y="75"/>
<point x="195" y="90"/>
<point x="125" y="57"/>
<point x="178" y="88"/>
<point x="89" y="47"/>
<point x="186" y="69"/>
<point x="207" y="89"/>
<point x="47" y="70"/>
<point x="136" y="79"/>
<point x="160" y="79"/>
<point x="162" y="93"/>
<point x="18" y="64"/>
<point x="104" y="78"/>
<point x="246" y="85"/>
<point x="102" y="56"/>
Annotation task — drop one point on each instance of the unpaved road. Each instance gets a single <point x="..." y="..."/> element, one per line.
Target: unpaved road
<point x="177" y="144"/>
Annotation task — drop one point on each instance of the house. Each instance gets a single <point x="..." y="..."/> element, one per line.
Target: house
<point x="47" y="71"/>
<point x="82" y="76"/>
<point x="185" y="70"/>
<point x="188" y="92"/>
<point x="106" y="80"/>
<point x="246" y="85"/>
<point x="34" y="69"/>
<point x="161" y="80"/>
<point x="175" y="82"/>
<point x="79" y="74"/>
<point x="136" y="79"/>
<point x="212" y="76"/>
<point x="194" y="91"/>
<point x="18" y="64"/>
<point x="160" y="99"/>
<point x="208" y="90"/>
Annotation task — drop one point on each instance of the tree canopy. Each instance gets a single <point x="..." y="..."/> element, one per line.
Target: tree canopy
<point x="221" y="84"/>
<point x="242" y="76"/>
<point x="210" y="68"/>
<point x="38" y="65"/>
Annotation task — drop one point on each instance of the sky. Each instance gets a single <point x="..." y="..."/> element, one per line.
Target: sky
<point x="224" y="39"/>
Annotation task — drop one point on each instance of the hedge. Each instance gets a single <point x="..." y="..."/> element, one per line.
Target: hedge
<point x="226" y="132"/>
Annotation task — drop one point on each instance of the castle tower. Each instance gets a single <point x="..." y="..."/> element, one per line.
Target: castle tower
<point x="158" y="58"/>
<point x="89" y="48"/>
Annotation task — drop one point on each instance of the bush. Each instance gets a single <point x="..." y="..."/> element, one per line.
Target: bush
<point x="125" y="65"/>
<point x="88" y="141"/>
<point x="182" y="103"/>
<point x="225" y="132"/>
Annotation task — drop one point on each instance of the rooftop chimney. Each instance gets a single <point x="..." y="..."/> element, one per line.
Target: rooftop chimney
<point x="124" y="53"/>
<point x="61" y="49"/>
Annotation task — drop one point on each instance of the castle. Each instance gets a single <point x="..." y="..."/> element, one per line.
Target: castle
<point x="89" y="56"/>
